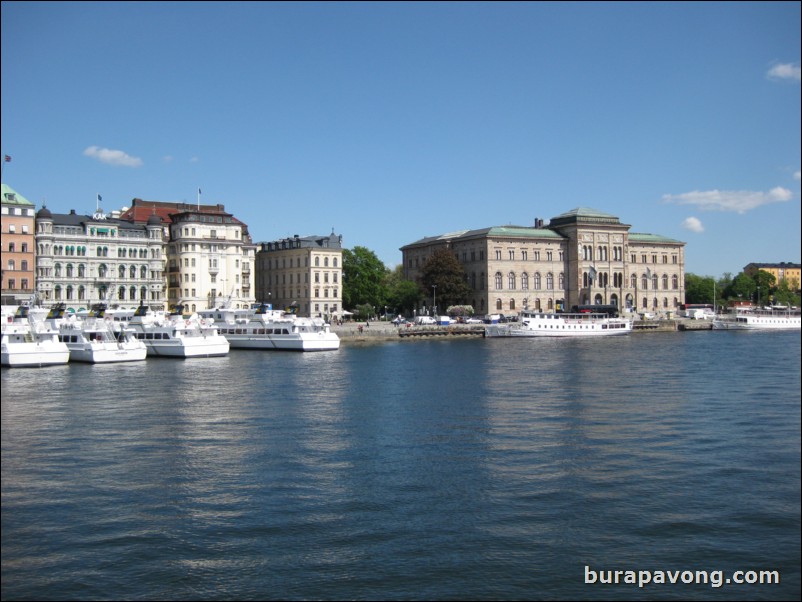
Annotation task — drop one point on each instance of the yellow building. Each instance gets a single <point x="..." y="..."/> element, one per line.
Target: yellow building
<point x="781" y="271"/>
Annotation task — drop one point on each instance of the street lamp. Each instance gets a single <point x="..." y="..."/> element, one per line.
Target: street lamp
<point x="434" y="299"/>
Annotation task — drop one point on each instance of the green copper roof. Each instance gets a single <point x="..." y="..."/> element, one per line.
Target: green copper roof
<point x="522" y="232"/>
<point x="655" y="238"/>
<point x="12" y="197"/>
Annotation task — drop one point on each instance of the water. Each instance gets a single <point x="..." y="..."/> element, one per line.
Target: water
<point x="473" y="469"/>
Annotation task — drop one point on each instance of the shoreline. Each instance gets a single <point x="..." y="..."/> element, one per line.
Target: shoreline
<point x="386" y="331"/>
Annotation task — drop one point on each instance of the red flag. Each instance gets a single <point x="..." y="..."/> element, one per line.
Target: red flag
<point x="8" y="159"/>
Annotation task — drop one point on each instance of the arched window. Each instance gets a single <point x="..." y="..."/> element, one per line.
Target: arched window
<point x="512" y="304"/>
<point x="524" y="281"/>
<point x="122" y="271"/>
<point x="511" y="281"/>
<point x="81" y="271"/>
<point x="644" y="283"/>
<point x="498" y="304"/>
<point x="549" y="281"/>
<point x="498" y="282"/>
<point x="143" y="272"/>
<point x="675" y="282"/>
<point x="69" y="270"/>
<point x="57" y="270"/>
<point x="133" y="271"/>
<point x="537" y="281"/>
<point x="121" y="293"/>
<point x="633" y="281"/>
<point x="665" y="283"/>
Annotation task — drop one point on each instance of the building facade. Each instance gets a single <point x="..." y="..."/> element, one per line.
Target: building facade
<point x="86" y="259"/>
<point x="302" y="275"/>
<point x="581" y="257"/>
<point x="790" y="272"/>
<point x="17" y="254"/>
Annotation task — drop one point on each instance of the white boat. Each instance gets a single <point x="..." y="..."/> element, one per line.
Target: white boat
<point x="541" y="324"/>
<point x="748" y="318"/>
<point x="92" y="339"/>
<point x="174" y="335"/>
<point x="30" y="343"/>
<point x="266" y="328"/>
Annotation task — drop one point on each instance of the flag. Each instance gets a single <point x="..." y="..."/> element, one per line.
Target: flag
<point x="8" y="159"/>
<point x="648" y="273"/>
<point x="592" y="273"/>
<point x="199" y="191"/>
<point x="99" y="199"/>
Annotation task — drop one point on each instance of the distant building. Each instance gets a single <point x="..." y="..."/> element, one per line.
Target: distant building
<point x="789" y="272"/>
<point x="301" y="274"/>
<point x="580" y="257"/>
<point x="17" y="254"/>
<point x="209" y="253"/>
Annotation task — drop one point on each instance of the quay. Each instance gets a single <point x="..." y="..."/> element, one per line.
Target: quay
<point x="362" y="332"/>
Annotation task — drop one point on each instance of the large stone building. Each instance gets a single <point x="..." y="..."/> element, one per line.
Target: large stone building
<point x="581" y="257"/>
<point x="87" y="259"/>
<point x="302" y="274"/>
<point x="17" y="255"/>
<point x="209" y="253"/>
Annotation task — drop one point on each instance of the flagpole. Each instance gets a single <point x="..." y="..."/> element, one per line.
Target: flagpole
<point x="199" y="193"/>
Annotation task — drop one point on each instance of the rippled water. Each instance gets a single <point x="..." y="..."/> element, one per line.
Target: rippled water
<point x="476" y="469"/>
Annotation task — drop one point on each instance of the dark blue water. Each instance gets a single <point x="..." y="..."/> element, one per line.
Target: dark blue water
<point x="476" y="469"/>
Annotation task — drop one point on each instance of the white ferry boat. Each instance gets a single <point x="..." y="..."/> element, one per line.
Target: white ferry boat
<point x="92" y="338"/>
<point x="27" y="342"/>
<point x="267" y="328"/>
<point x="541" y="324"/>
<point x="748" y="318"/>
<point x="174" y="335"/>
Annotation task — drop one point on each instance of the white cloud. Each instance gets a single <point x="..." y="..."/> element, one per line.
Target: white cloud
<point x="693" y="224"/>
<point x="167" y="159"/>
<point x="783" y="71"/>
<point x="739" y="201"/>
<point x="797" y="175"/>
<point x="113" y="157"/>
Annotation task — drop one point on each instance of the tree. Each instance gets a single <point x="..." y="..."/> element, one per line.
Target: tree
<point x="699" y="289"/>
<point x="443" y="271"/>
<point x="363" y="278"/>
<point x="402" y="295"/>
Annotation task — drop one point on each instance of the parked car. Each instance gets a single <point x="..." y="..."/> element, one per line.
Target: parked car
<point x="473" y="320"/>
<point x="425" y="320"/>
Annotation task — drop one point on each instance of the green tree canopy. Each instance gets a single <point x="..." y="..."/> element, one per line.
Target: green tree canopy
<point x="402" y="295"/>
<point x="363" y="278"/>
<point x="443" y="271"/>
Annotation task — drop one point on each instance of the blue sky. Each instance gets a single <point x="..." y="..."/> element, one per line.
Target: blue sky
<point x="388" y="122"/>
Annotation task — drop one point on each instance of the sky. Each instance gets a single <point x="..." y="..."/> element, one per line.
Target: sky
<point x="390" y="122"/>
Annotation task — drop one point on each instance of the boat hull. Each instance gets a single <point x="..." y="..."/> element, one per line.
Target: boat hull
<point x="107" y="354"/>
<point x="186" y="348"/>
<point x="31" y="355"/>
<point x="304" y="342"/>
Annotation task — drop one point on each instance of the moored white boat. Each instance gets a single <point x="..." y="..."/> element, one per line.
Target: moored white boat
<point x="30" y="343"/>
<point x="174" y="335"/>
<point x="92" y="339"/>
<point x="748" y="318"/>
<point x="266" y="328"/>
<point x="540" y="324"/>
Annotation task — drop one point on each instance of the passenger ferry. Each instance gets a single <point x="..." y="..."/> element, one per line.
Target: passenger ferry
<point x="541" y="324"/>
<point x="749" y="318"/>
<point x="268" y="328"/>
<point x="173" y="334"/>
<point x="93" y="339"/>
<point x="27" y="342"/>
